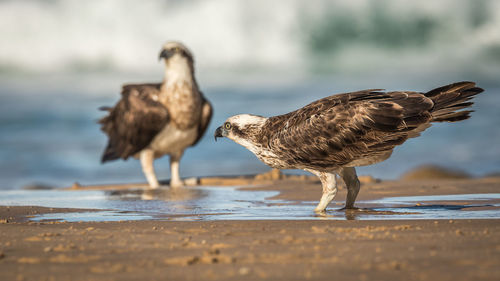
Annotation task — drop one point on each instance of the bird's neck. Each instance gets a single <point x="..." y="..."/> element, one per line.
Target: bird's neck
<point x="249" y="134"/>
<point x="257" y="141"/>
<point x="179" y="93"/>
<point x="178" y="71"/>
<point x="179" y="74"/>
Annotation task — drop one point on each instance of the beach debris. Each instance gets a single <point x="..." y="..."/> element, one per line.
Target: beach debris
<point x="428" y="172"/>
<point x="273" y="174"/>
<point x="191" y="181"/>
<point x="364" y="179"/>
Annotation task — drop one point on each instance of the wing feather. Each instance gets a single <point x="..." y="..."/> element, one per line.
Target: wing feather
<point x="134" y="121"/>
<point x="206" y="116"/>
<point x="347" y="128"/>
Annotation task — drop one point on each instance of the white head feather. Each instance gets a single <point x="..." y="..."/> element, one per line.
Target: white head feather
<point x="179" y="68"/>
<point x="245" y="122"/>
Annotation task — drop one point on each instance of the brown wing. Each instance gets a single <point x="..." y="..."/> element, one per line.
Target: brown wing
<point x="346" y="128"/>
<point x="134" y="121"/>
<point x="205" y="117"/>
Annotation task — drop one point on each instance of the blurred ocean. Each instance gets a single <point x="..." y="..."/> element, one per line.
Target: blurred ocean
<point x="61" y="60"/>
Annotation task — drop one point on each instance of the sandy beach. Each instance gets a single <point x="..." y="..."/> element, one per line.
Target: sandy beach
<point x="388" y="249"/>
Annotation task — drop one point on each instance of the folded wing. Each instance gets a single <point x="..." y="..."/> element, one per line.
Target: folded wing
<point x="205" y="117"/>
<point x="134" y="121"/>
<point x="350" y="129"/>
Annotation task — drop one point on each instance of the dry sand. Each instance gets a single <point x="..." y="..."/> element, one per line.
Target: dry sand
<point x="260" y="250"/>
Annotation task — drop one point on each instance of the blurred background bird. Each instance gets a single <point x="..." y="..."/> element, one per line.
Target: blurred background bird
<point x="152" y="120"/>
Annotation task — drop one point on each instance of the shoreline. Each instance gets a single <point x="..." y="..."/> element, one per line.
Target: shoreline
<point x="278" y="249"/>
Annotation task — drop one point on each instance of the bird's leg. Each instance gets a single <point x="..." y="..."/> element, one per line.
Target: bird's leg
<point x="351" y="180"/>
<point x="175" y="179"/>
<point x="147" y="157"/>
<point x="329" y="184"/>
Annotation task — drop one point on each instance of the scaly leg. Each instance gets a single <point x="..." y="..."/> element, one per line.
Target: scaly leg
<point x="329" y="184"/>
<point x="147" y="157"/>
<point x="350" y="178"/>
<point x="175" y="179"/>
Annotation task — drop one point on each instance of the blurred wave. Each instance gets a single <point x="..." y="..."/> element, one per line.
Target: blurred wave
<point x="306" y="36"/>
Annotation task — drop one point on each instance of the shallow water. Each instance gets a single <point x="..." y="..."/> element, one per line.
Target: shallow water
<point x="231" y="203"/>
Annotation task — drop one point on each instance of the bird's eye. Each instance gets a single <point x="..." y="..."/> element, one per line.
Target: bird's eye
<point x="227" y="125"/>
<point x="176" y="49"/>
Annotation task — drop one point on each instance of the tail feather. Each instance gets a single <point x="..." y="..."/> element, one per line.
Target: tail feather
<point x="455" y="87"/>
<point x="450" y="99"/>
<point x="453" y="116"/>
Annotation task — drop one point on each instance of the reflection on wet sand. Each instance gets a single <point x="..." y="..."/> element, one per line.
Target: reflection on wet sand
<point x="172" y="201"/>
<point x="232" y="203"/>
<point x="164" y="194"/>
<point x="359" y="213"/>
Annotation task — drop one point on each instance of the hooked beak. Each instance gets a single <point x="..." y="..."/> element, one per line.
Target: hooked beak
<point x="165" y="54"/>
<point x="219" y="133"/>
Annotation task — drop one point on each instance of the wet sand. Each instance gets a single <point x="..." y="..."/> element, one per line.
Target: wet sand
<point x="260" y="250"/>
<point x="252" y="250"/>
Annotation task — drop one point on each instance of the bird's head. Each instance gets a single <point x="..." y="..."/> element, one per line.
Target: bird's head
<point x="244" y="129"/>
<point x="172" y="51"/>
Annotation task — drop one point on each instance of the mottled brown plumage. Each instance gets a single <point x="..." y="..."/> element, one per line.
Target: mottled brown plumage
<point x="134" y="121"/>
<point x="348" y="130"/>
<point x="138" y="117"/>
<point x="151" y="120"/>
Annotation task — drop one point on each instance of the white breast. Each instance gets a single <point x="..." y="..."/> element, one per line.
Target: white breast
<point x="172" y="140"/>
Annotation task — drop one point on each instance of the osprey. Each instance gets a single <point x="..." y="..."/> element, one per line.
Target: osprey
<point x="152" y="120"/>
<point x="333" y="135"/>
